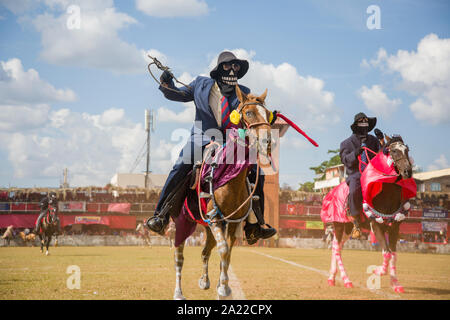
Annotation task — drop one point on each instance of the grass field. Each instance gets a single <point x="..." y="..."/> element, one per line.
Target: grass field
<point x="257" y="274"/>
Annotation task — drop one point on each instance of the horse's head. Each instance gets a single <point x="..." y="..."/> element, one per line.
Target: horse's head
<point x="256" y="118"/>
<point x="399" y="152"/>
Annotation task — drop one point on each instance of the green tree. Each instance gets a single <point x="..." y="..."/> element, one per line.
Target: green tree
<point x="320" y="170"/>
<point x="308" y="186"/>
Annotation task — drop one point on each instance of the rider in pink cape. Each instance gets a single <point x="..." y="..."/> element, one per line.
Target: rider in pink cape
<point x="379" y="170"/>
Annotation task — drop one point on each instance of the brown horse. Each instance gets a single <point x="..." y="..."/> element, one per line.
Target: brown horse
<point x="49" y="226"/>
<point x="233" y="199"/>
<point x="384" y="217"/>
<point x="170" y="234"/>
<point x="29" y="238"/>
<point x="8" y="235"/>
<point x="144" y="233"/>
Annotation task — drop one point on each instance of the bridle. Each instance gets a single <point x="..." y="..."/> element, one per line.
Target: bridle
<point x="395" y="155"/>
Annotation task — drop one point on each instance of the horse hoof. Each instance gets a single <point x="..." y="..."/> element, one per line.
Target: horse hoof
<point x="223" y="292"/>
<point x="399" y="289"/>
<point x="203" y="283"/>
<point x="348" y="285"/>
<point x="331" y="282"/>
<point x="47" y="253"/>
<point x="178" y="296"/>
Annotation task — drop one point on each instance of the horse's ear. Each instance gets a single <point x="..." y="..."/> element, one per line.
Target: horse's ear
<point x="388" y="139"/>
<point x="240" y="95"/>
<point x="262" y="97"/>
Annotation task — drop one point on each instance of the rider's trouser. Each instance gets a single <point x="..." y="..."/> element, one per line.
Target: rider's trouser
<point x="355" y="198"/>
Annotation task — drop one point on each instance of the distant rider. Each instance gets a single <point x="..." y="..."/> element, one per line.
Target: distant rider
<point x="45" y="202"/>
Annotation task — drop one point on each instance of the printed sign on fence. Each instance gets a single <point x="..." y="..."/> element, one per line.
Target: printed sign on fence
<point x="72" y="206"/>
<point x="435" y="213"/>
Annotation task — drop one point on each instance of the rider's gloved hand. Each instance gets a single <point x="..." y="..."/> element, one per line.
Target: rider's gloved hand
<point x="166" y="77"/>
<point x="379" y="134"/>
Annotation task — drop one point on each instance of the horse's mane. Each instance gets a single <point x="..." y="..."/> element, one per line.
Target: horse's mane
<point x="395" y="138"/>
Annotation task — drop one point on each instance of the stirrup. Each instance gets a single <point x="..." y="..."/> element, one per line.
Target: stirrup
<point x="356" y="233"/>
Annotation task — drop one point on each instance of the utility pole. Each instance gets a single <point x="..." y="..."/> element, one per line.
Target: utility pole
<point x="149" y="127"/>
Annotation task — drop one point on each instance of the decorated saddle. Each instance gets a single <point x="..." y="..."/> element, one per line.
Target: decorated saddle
<point x="378" y="171"/>
<point x="231" y="159"/>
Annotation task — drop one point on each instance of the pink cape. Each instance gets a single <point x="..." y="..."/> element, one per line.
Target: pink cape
<point x="379" y="170"/>
<point x="333" y="204"/>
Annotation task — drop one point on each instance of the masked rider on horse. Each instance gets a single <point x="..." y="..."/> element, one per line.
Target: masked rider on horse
<point x="350" y="149"/>
<point x="50" y="199"/>
<point x="214" y="99"/>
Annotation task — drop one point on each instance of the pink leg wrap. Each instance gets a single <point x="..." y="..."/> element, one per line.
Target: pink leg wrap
<point x="393" y="273"/>
<point x="382" y="270"/>
<point x="340" y="264"/>
<point x="333" y="268"/>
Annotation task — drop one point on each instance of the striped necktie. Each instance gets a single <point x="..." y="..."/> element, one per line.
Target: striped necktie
<point x="225" y="113"/>
<point x="364" y="161"/>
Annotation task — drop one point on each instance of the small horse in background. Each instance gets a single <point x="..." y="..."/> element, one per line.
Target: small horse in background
<point x="383" y="213"/>
<point x="8" y="235"/>
<point x="27" y="238"/>
<point x="170" y="234"/>
<point x="144" y="233"/>
<point x="49" y="226"/>
<point x="229" y="204"/>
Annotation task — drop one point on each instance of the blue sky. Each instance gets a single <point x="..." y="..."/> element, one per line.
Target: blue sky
<point x="75" y="98"/>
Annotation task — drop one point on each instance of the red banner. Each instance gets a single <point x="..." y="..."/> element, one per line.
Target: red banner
<point x="292" y="209"/>
<point x="119" y="207"/>
<point x="29" y="220"/>
<point x="18" y="220"/>
<point x="292" y="224"/>
<point x="411" y="228"/>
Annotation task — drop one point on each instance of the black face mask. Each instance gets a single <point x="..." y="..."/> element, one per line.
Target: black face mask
<point x="227" y="81"/>
<point x="362" y="131"/>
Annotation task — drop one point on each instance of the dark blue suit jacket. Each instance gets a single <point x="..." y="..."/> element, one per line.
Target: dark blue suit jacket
<point x="199" y="93"/>
<point x="348" y="150"/>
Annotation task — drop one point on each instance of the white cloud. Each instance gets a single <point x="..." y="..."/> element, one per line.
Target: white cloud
<point x="96" y="44"/>
<point x="173" y="8"/>
<point x="425" y="73"/>
<point x="18" y="86"/>
<point x="92" y="146"/>
<point x="22" y="118"/>
<point x="439" y="163"/>
<point x="377" y="101"/>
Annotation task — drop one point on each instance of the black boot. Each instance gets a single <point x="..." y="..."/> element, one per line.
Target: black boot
<point x="254" y="232"/>
<point x="158" y="223"/>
